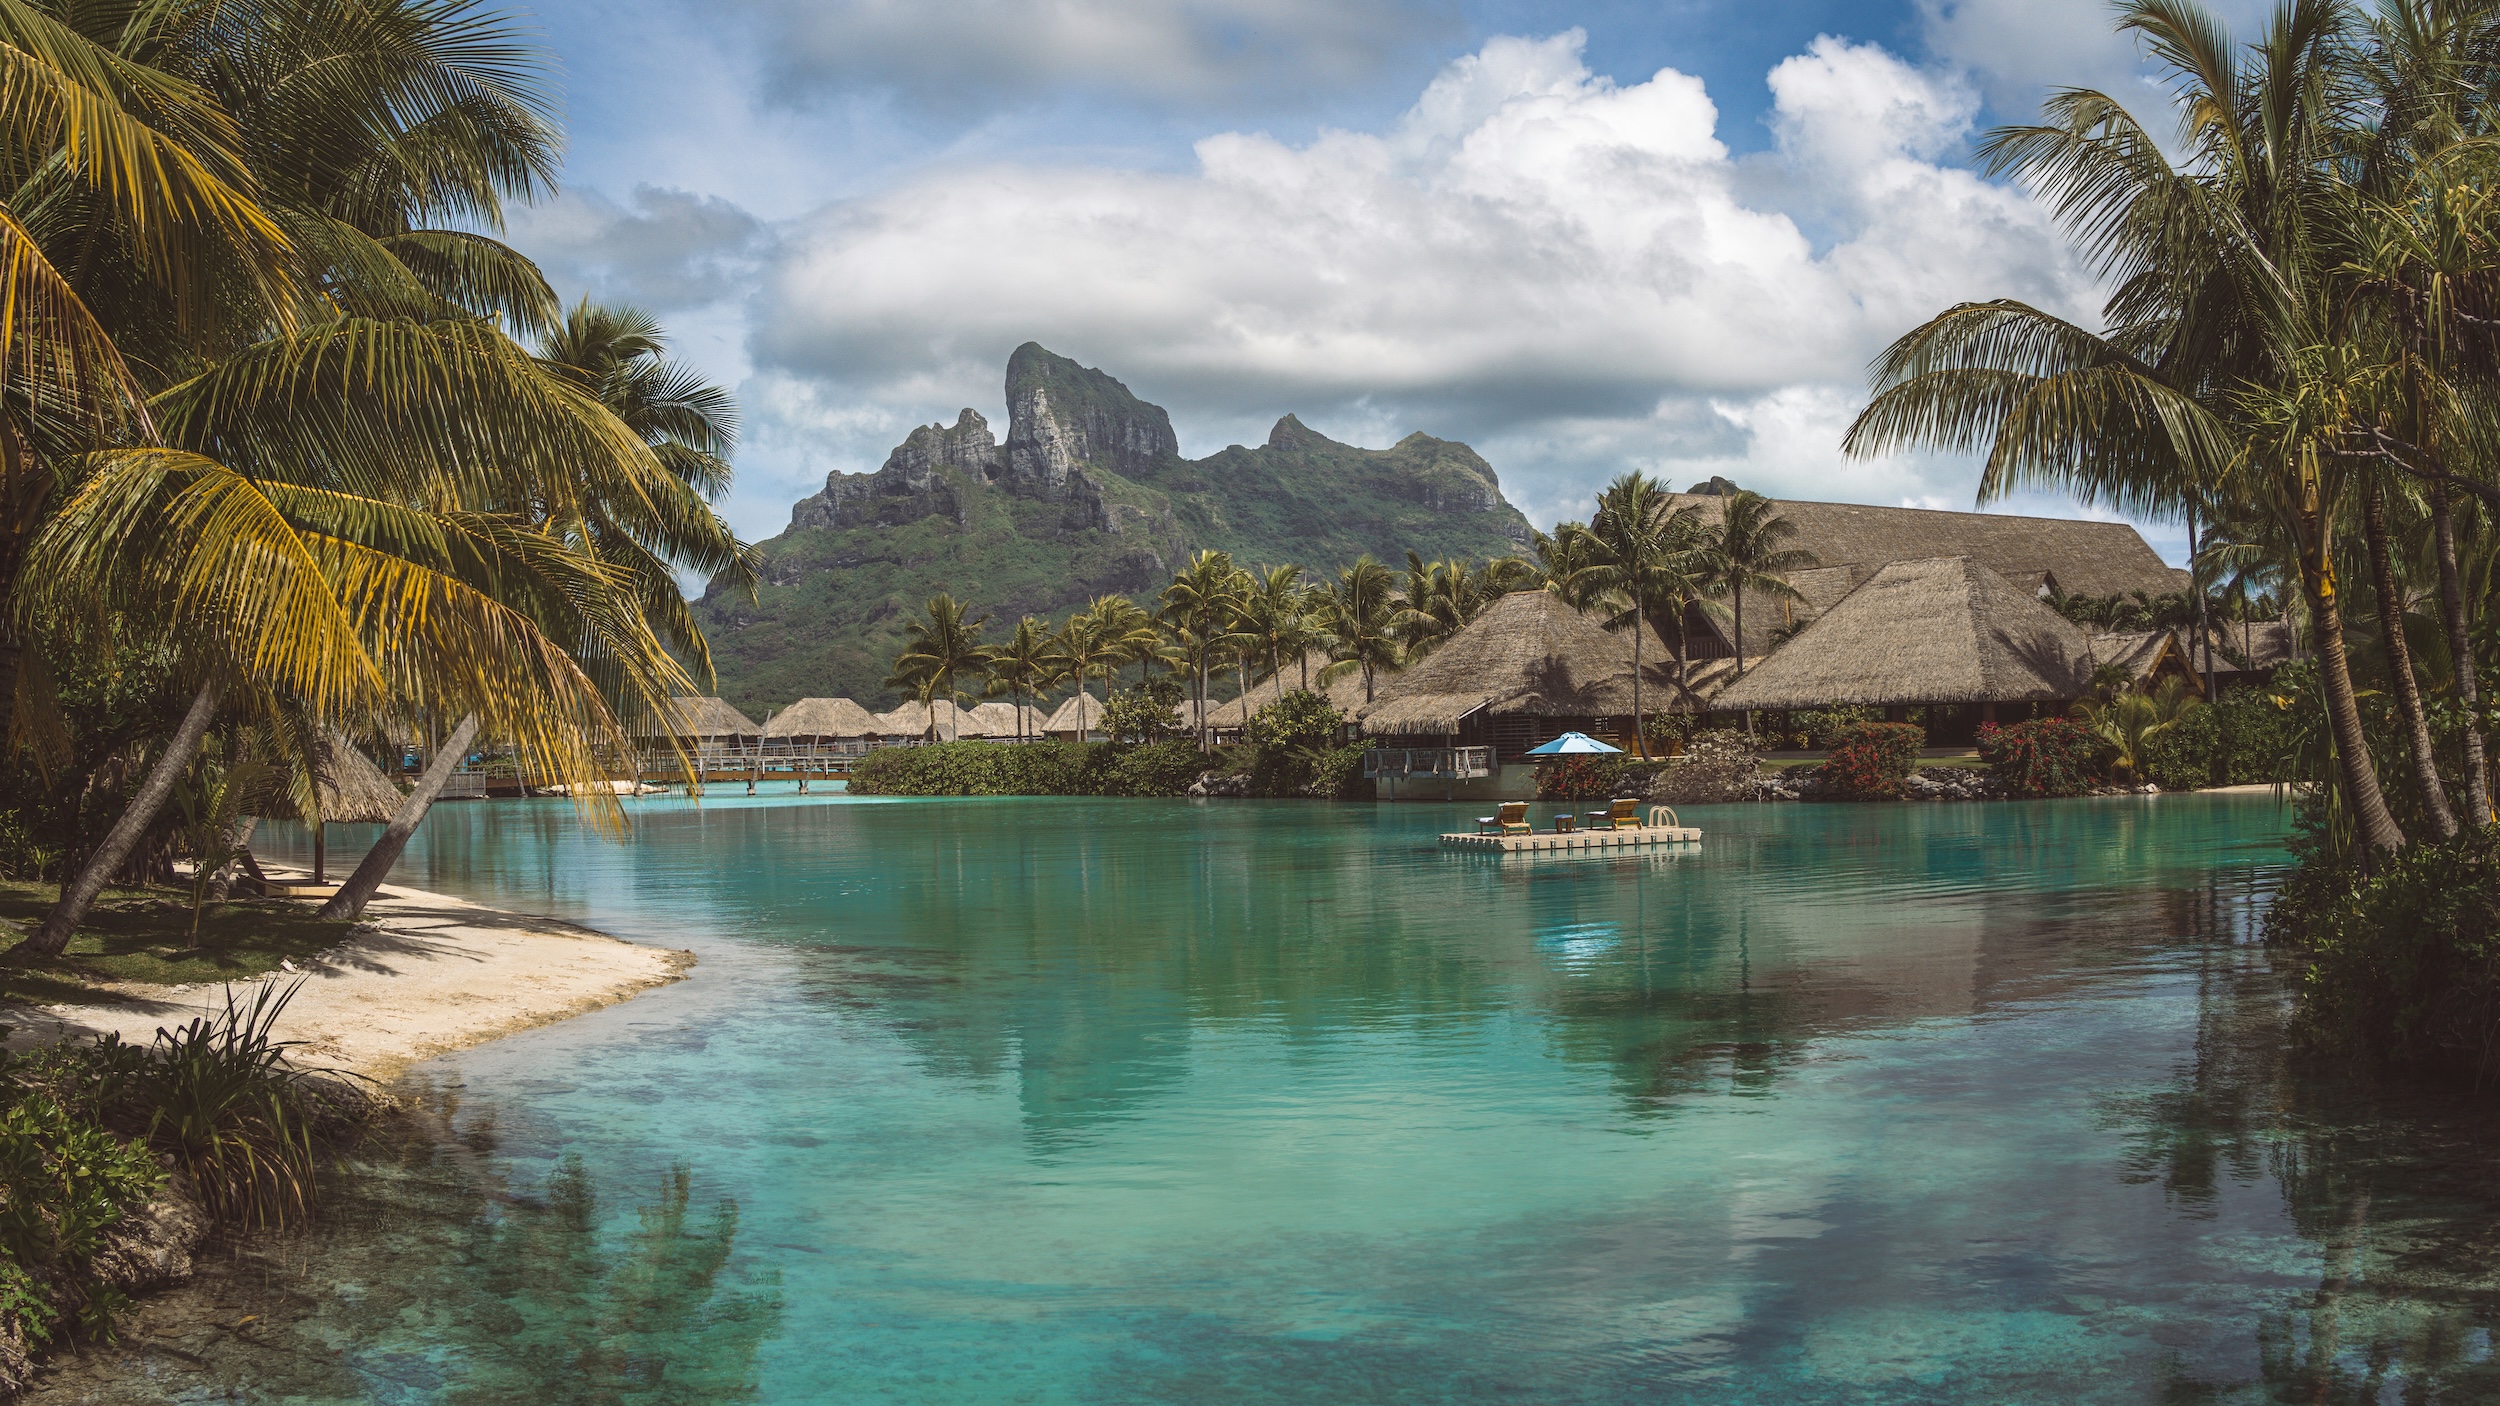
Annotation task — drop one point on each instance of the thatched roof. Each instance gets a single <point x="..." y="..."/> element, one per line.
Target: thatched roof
<point x="2266" y="645"/>
<point x="709" y="717"/>
<point x="1852" y="541"/>
<point x="821" y="717"/>
<point x="912" y="720"/>
<point x="2140" y="652"/>
<point x="348" y="787"/>
<point x="999" y="720"/>
<point x="1942" y="630"/>
<point x="1081" y="713"/>
<point x="1527" y="653"/>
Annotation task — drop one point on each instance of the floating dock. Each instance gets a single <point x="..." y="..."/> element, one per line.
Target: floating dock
<point x="1646" y="837"/>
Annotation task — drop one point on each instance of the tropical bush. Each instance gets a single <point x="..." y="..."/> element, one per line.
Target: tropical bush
<point x="1811" y="729"/>
<point x="1869" y="761"/>
<point x="1030" y="769"/>
<point x="2041" y="758"/>
<point x="64" y="1181"/>
<point x="2185" y="755"/>
<point x="2254" y="731"/>
<point x="1143" y="713"/>
<point x="1338" y="775"/>
<point x="1715" y="766"/>
<point x="2403" y="965"/>
<point x="1286" y="743"/>
<point x="1580" y="779"/>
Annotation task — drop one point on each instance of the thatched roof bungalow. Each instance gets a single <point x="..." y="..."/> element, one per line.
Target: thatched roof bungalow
<point x="819" y="722"/>
<point x="1077" y="720"/>
<point x="1851" y="542"/>
<point x="1001" y="720"/>
<point x="1944" y="630"/>
<point x="1528" y="669"/>
<point x="2148" y="656"/>
<point x="711" y="723"/>
<point x="1233" y="714"/>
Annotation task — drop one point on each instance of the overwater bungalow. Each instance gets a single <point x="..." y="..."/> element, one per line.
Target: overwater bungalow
<point x="1944" y="632"/>
<point x="815" y="726"/>
<point x="709" y="725"/>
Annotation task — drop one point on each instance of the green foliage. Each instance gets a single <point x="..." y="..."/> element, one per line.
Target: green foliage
<point x="1811" y="729"/>
<point x="1291" y="741"/>
<point x="64" y="1181"/>
<point x="2254" y="732"/>
<point x="1143" y="712"/>
<point x="1869" y="761"/>
<point x="1030" y="769"/>
<point x="22" y="1302"/>
<point x="223" y="1102"/>
<point x="2403" y="965"/>
<point x="2041" y="758"/>
<point x="2185" y="755"/>
<point x="1338" y="775"/>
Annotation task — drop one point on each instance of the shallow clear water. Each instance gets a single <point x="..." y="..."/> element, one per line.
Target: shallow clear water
<point x="1112" y="1101"/>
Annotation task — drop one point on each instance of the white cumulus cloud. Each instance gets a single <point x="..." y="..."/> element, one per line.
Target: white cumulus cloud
<point x="1572" y="273"/>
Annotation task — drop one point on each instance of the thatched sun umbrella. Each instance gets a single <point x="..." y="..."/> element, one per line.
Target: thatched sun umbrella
<point x="346" y="787"/>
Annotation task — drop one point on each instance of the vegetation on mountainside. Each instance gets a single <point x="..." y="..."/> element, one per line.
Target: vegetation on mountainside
<point x="830" y="608"/>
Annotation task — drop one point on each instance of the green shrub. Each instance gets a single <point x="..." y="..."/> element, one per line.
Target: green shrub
<point x="222" y="1101"/>
<point x="2185" y="755"/>
<point x="1144" y="713"/>
<point x="2255" y="729"/>
<point x="1811" y="729"/>
<point x="1869" y="761"/>
<point x="1338" y="775"/>
<point x="2041" y="758"/>
<point x="2403" y="966"/>
<point x="1285" y="744"/>
<point x="1159" y="769"/>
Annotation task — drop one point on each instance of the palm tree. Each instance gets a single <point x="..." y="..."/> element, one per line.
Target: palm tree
<point x="1022" y="666"/>
<point x="1275" y="614"/>
<point x="1359" y="617"/>
<point x="1571" y="562"/>
<point x="1652" y="555"/>
<point x="938" y="653"/>
<point x="2220" y="267"/>
<point x="1201" y="607"/>
<point x="1440" y="599"/>
<point x="2125" y="719"/>
<point x="1749" y="556"/>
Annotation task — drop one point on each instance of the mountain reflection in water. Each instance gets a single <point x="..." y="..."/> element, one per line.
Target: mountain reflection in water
<point x="1134" y="1102"/>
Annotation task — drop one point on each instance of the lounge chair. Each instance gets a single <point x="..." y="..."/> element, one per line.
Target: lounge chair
<point x="1511" y="818"/>
<point x="1622" y="813"/>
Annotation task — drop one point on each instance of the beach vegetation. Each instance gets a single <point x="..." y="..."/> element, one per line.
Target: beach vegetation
<point x="2042" y="758"/>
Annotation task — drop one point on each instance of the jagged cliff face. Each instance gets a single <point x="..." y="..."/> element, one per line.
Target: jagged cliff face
<point x="1088" y="495"/>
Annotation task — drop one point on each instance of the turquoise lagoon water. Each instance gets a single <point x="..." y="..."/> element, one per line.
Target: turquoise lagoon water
<point x="1115" y="1101"/>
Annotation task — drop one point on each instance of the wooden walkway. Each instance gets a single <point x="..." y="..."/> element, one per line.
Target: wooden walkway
<point x="1646" y="837"/>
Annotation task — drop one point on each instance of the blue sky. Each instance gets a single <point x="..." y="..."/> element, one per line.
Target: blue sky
<point x="1582" y="237"/>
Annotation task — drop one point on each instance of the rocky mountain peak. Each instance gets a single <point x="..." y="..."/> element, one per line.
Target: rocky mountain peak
<point x="1063" y="417"/>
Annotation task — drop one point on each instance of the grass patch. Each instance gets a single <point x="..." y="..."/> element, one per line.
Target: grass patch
<point x="144" y="935"/>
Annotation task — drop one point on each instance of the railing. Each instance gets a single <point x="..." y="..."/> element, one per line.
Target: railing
<point x="1428" y="763"/>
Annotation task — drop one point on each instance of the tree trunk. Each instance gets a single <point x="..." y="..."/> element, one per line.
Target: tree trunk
<point x="2391" y="614"/>
<point x="1738" y="596"/>
<point x="350" y="900"/>
<point x="238" y="838"/>
<point x="1640" y="627"/>
<point x="2461" y="649"/>
<point x="321" y="851"/>
<point x="2202" y="647"/>
<point x="52" y="938"/>
<point x="2378" y="827"/>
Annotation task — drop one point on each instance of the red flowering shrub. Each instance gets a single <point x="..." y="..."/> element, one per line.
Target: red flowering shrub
<point x="2043" y="757"/>
<point x="1869" y="761"/>
<point x="1589" y="778"/>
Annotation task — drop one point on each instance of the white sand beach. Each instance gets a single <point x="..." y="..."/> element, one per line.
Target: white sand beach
<point x="423" y="975"/>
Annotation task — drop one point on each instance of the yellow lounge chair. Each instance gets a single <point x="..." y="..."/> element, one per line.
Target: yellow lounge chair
<point x="1622" y="813"/>
<point x="1511" y="818"/>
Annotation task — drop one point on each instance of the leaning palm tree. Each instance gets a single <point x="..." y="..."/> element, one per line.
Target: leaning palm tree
<point x="1359" y="617"/>
<point x="1750" y="555"/>
<point x="2221" y="265"/>
<point x="939" y="655"/>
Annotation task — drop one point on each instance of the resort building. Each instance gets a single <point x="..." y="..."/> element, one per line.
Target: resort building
<point x="708" y="725"/>
<point x="1077" y="720"/>
<point x="1942" y="632"/>
<point x="819" y="726"/>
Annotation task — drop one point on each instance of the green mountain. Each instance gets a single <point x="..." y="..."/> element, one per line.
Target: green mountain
<point x="1088" y="495"/>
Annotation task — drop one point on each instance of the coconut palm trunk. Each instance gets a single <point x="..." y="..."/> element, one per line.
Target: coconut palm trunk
<point x="1640" y="627"/>
<point x="52" y="938"/>
<point x="2461" y="651"/>
<point x="350" y="900"/>
<point x="2391" y="614"/>
<point x="2377" y="826"/>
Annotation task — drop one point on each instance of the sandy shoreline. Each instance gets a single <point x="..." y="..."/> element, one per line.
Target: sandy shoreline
<point x="424" y="974"/>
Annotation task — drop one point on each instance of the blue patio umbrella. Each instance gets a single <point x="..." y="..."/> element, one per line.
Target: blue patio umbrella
<point x="1572" y="744"/>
